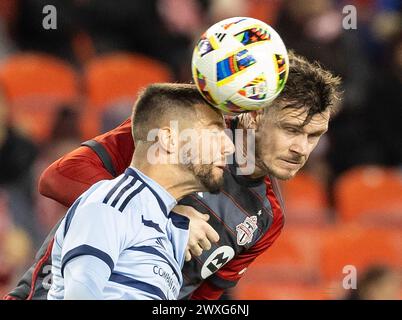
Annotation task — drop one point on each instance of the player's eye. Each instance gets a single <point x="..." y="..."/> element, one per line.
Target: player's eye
<point x="292" y="130"/>
<point x="215" y="131"/>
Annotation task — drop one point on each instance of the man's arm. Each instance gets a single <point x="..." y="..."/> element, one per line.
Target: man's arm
<point x="85" y="277"/>
<point x="68" y="177"/>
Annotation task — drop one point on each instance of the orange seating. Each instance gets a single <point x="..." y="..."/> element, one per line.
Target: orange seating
<point x="293" y="258"/>
<point x="371" y="195"/>
<point x="305" y="200"/>
<point x="115" y="79"/>
<point x="308" y="263"/>
<point x="277" y="291"/>
<point x="360" y="247"/>
<point x="36" y="86"/>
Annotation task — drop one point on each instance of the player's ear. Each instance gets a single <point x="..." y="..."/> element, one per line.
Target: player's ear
<point x="167" y="139"/>
<point x="254" y="118"/>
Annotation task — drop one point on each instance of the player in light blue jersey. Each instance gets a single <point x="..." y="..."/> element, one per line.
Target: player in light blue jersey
<point x="120" y="240"/>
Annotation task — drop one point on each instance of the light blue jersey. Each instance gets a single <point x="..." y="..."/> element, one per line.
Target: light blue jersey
<point x="121" y="233"/>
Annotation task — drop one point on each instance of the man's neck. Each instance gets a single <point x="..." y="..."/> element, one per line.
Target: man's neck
<point x="175" y="179"/>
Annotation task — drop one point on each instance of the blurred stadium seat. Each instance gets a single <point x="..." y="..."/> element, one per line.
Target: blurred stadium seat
<point x="293" y="258"/>
<point x="361" y="247"/>
<point x="290" y="269"/>
<point x="370" y="195"/>
<point x="305" y="200"/>
<point x="36" y="86"/>
<point x="308" y="263"/>
<point x="114" y="80"/>
<point x="278" y="291"/>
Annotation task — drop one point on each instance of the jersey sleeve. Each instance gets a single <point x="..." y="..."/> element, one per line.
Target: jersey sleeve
<point x="233" y="271"/>
<point x="85" y="277"/>
<point x="93" y="229"/>
<point x="68" y="177"/>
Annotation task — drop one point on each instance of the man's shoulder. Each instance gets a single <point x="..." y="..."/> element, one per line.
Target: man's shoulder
<point x="110" y="193"/>
<point x="119" y="145"/>
<point x="124" y="194"/>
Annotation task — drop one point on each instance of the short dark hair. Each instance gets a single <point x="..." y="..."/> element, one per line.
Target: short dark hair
<point x="160" y="103"/>
<point x="310" y="86"/>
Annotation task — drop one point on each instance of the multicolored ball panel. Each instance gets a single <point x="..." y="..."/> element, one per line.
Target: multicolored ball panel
<point x="233" y="64"/>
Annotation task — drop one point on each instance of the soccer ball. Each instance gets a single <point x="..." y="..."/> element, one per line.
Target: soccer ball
<point x="240" y="64"/>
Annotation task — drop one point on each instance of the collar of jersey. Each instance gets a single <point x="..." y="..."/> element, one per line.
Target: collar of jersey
<point x="164" y="198"/>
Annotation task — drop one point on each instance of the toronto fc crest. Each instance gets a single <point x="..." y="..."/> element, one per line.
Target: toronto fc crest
<point x="245" y="230"/>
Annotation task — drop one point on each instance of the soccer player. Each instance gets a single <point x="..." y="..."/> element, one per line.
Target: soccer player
<point x="247" y="213"/>
<point x="120" y="239"/>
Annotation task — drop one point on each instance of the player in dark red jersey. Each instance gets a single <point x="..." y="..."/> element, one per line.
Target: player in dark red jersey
<point x="247" y="213"/>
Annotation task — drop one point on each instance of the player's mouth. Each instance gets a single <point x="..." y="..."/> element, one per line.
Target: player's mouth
<point x="291" y="162"/>
<point x="219" y="164"/>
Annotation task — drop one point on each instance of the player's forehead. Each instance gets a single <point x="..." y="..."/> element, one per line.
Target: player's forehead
<point x="298" y="116"/>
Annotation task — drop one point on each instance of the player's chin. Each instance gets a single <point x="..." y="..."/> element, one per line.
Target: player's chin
<point x="213" y="181"/>
<point x="284" y="174"/>
<point x="217" y="171"/>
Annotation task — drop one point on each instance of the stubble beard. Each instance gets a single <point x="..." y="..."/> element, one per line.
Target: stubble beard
<point x="204" y="173"/>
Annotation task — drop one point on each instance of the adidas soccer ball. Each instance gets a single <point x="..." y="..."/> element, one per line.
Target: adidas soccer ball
<point x="240" y="64"/>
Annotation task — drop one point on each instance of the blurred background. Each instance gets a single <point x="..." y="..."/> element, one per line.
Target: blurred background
<point x="60" y="87"/>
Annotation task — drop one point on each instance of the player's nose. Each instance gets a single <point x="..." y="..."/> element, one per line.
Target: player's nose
<point x="228" y="146"/>
<point x="300" y="147"/>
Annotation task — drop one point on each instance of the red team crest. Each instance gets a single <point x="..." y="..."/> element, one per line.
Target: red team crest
<point x="245" y="230"/>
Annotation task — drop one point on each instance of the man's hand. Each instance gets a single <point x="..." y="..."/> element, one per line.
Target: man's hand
<point x="201" y="233"/>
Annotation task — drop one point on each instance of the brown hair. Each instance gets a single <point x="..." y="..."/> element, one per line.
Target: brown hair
<point x="310" y="86"/>
<point x="161" y="103"/>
